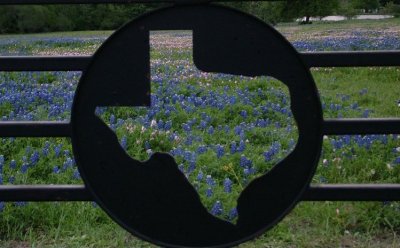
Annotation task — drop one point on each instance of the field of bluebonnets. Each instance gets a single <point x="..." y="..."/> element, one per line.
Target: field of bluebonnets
<point x="223" y="130"/>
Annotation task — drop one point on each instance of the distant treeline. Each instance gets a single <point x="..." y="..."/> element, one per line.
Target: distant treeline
<point x="49" y="18"/>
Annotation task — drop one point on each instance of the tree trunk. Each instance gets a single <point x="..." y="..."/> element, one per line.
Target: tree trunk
<point x="307" y="19"/>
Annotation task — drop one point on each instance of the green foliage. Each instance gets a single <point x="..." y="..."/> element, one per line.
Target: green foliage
<point x="392" y="9"/>
<point x="31" y="19"/>
<point x="270" y="12"/>
<point x="347" y="9"/>
<point x="308" y="8"/>
<point x="367" y="5"/>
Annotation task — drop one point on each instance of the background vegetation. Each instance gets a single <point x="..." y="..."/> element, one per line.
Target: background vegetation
<point x="32" y="19"/>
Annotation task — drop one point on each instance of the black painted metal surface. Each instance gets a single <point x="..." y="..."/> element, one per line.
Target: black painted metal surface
<point x="169" y="211"/>
<point x="314" y="59"/>
<point x="324" y="192"/>
<point x="153" y="199"/>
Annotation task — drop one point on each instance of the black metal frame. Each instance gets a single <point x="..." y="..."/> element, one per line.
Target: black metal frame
<point x="335" y="192"/>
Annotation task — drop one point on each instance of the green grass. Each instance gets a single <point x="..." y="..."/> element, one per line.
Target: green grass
<point x="381" y="86"/>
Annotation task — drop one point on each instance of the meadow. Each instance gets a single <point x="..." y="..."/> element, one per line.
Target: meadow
<point x="223" y="131"/>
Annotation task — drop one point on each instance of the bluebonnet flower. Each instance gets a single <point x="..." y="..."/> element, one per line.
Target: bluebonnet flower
<point x="226" y="129"/>
<point x="57" y="150"/>
<point x="363" y="91"/>
<point x="366" y="113"/>
<point x="217" y="209"/>
<point x="200" y="176"/>
<point x="189" y="156"/>
<point x="245" y="162"/>
<point x="323" y="179"/>
<point x="24" y="168"/>
<point x="56" y="170"/>
<point x="232" y="100"/>
<point x="181" y="167"/>
<point x="160" y="124"/>
<point x="237" y="130"/>
<point x="397" y="161"/>
<point x="203" y="124"/>
<point x="189" y="140"/>
<point x="168" y="125"/>
<point x="28" y="150"/>
<point x="68" y="164"/>
<point x="124" y="142"/>
<point x="274" y="149"/>
<point x="120" y="122"/>
<point x="1" y="159"/>
<point x="201" y="149"/>
<point x="228" y="185"/>
<point x="242" y="146"/>
<point x="292" y="143"/>
<point x="211" y="130"/>
<point x="243" y="113"/>
<point x="233" y="147"/>
<point x="177" y="151"/>
<point x="76" y="175"/>
<point x="2" y="206"/>
<point x="242" y="135"/>
<point x="233" y="214"/>
<point x="186" y="127"/>
<point x="248" y="171"/>
<point x="45" y="150"/>
<point x="192" y="167"/>
<point x="112" y="119"/>
<point x="147" y="145"/>
<point x="34" y="158"/>
<point x="337" y="144"/>
<point x="220" y="151"/>
<point x="11" y="179"/>
<point x="210" y="181"/>
<point x="209" y="192"/>
<point x="1" y="179"/>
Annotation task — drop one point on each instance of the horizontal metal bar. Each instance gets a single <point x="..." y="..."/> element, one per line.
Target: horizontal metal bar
<point x="327" y="192"/>
<point x="361" y="126"/>
<point x="44" y="193"/>
<point x="44" y="63"/>
<point x="34" y="129"/>
<point x="315" y="59"/>
<point x="351" y="59"/>
<point x="353" y="192"/>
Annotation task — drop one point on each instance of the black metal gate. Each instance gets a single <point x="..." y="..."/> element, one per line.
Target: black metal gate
<point x="191" y="15"/>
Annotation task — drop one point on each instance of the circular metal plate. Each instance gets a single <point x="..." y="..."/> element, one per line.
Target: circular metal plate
<point x="153" y="199"/>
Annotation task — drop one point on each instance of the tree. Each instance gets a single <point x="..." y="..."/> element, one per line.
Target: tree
<point x="8" y="19"/>
<point x="347" y="9"/>
<point x="309" y="8"/>
<point x="47" y="18"/>
<point x="270" y="12"/>
<point x="385" y="2"/>
<point x="367" y="5"/>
